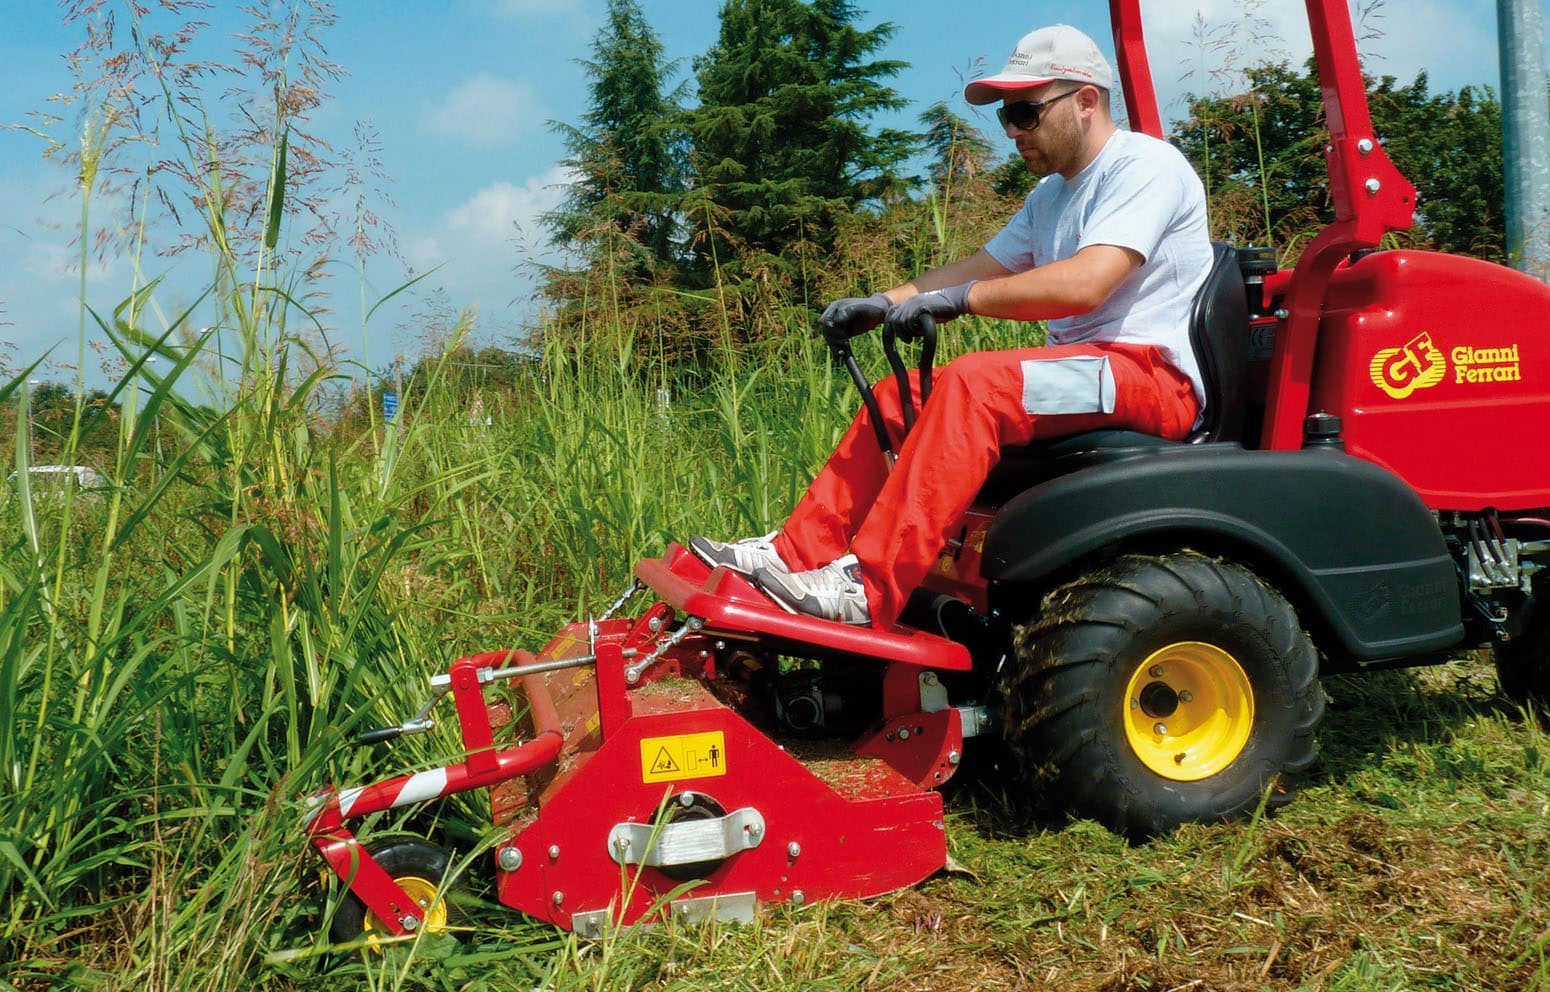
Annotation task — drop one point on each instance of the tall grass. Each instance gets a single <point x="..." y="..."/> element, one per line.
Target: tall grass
<point x="185" y="651"/>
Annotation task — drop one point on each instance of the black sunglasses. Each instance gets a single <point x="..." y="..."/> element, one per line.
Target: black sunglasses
<point x="1024" y="114"/>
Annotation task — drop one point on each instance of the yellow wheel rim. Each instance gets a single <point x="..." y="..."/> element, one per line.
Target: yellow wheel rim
<point x="1188" y="711"/>
<point x="423" y="892"/>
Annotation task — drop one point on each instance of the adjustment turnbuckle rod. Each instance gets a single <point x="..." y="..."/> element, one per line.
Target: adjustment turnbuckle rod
<point x="442" y="684"/>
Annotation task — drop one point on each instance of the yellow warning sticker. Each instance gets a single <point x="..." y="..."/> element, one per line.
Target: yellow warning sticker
<point x="671" y="759"/>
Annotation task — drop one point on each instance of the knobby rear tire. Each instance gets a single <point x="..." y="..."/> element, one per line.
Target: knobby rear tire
<point x="1073" y="706"/>
<point x="1523" y="663"/>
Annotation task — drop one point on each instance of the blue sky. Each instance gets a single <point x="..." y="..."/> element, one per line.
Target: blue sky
<point x="460" y="93"/>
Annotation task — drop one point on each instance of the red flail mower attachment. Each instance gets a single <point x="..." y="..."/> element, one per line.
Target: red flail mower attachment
<point x="635" y="774"/>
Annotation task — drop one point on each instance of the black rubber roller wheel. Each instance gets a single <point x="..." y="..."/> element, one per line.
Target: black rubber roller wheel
<point x="419" y="868"/>
<point x="1162" y="691"/>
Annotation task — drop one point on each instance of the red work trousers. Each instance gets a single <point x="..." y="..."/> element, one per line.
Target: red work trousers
<point x="897" y="522"/>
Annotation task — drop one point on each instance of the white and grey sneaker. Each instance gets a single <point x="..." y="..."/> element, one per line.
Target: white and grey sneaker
<point x="833" y="592"/>
<point x="746" y="556"/>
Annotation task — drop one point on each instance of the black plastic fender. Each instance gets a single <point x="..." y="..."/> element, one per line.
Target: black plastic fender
<point x="1341" y="537"/>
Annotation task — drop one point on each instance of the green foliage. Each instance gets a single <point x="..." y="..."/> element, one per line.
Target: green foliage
<point x="1449" y="145"/>
<point x="958" y="152"/>
<point x="782" y="152"/>
<point x="627" y="154"/>
<point x="53" y="409"/>
<point x="1261" y="154"/>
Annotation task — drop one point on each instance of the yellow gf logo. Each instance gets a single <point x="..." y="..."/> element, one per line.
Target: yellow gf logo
<point x="1401" y="371"/>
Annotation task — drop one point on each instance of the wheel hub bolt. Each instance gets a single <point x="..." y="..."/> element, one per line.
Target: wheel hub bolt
<point x="1155" y="671"/>
<point x="1186" y="696"/>
<point x="1161" y="730"/>
<point x="409" y="923"/>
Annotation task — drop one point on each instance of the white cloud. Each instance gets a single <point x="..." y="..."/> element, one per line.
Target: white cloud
<point x="503" y="211"/>
<point x="486" y="246"/>
<point x="485" y="111"/>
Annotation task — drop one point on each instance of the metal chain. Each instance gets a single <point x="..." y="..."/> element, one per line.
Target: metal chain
<point x="623" y="598"/>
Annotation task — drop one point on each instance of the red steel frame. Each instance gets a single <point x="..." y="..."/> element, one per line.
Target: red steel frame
<point x="1371" y="197"/>
<point x="485" y="766"/>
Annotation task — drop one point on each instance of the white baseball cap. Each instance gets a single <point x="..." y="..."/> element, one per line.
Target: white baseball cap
<point x="1059" y="52"/>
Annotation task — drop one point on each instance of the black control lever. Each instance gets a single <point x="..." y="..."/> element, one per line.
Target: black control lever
<point x="927" y="325"/>
<point x="839" y="343"/>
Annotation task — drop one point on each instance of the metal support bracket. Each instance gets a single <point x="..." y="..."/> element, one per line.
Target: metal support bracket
<point x="729" y="907"/>
<point x="933" y="694"/>
<point x="976" y="720"/>
<point x="686" y="843"/>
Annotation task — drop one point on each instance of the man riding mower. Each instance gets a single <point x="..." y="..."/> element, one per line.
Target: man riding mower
<point x="1130" y="553"/>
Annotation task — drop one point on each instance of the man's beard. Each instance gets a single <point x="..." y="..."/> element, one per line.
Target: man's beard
<point x="1060" y="147"/>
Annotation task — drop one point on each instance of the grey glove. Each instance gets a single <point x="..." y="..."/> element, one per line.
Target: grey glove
<point x="854" y="315"/>
<point x="942" y="304"/>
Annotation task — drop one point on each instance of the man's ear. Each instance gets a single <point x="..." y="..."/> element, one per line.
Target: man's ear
<point x="1088" y="98"/>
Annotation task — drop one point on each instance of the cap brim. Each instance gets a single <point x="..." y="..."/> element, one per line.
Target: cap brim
<point x="990" y="89"/>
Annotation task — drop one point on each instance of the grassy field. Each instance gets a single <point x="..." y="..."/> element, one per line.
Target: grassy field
<point x="185" y="653"/>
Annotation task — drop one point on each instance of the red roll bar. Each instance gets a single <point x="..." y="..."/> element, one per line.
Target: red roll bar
<point x="1371" y="196"/>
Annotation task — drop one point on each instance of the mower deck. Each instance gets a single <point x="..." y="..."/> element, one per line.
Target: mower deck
<point x="641" y="779"/>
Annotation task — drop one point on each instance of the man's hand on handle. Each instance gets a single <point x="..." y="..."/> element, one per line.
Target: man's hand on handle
<point x="942" y="304"/>
<point x="854" y="315"/>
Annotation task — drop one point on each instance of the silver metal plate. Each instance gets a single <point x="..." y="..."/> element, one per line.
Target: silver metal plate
<point x="686" y="843"/>
<point x="976" y="720"/>
<point x="730" y="907"/>
<point x="590" y="925"/>
<point x="933" y="694"/>
<point x="1498" y="569"/>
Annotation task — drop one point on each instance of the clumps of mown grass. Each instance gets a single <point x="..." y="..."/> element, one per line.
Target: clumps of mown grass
<point x="1416" y="857"/>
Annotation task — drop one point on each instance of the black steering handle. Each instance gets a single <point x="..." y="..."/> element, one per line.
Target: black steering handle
<point x="927" y="327"/>
<point x="840" y="345"/>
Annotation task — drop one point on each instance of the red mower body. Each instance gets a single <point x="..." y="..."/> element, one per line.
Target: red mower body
<point x="615" y="749"/>
<point x="1439" y="369"/>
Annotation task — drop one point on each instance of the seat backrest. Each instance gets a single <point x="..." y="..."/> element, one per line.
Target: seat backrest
<point x="1219" y="333"/>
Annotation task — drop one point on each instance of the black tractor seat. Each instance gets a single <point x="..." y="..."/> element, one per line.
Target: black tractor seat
<point x="1219" y="335"/>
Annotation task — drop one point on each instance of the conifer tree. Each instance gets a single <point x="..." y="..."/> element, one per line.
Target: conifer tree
<point x="1261" y="153"/>
<point x="782" y="148"/>
<point x="959" y="151"/>
<point x="627" y="153"/>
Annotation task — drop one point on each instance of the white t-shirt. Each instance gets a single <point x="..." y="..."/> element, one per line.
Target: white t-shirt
<point x="1139" y="193"/>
